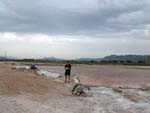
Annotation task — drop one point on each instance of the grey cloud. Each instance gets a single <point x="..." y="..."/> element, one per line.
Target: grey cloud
<point x="86" y="17"/>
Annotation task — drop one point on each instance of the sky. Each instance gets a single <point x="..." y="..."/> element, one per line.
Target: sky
<point x="74" y="28"/>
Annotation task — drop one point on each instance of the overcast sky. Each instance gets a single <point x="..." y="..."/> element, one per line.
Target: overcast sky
<point x="74" y="28"/>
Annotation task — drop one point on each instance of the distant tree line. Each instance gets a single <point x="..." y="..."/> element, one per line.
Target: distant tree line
<point x="112" y="59"/>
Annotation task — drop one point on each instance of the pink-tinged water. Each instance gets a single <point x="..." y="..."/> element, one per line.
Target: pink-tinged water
<point x="108" y="74"/>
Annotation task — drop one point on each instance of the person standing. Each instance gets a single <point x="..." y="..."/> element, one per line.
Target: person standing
<point x="67" y="72"/>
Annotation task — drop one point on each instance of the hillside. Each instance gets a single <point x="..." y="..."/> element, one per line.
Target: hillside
<point x="128" y="58"/>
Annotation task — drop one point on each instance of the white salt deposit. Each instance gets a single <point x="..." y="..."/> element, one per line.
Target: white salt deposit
<point x="103" y="100"/>
<point x="49" y="74"/>
<point x="22" y="67"/>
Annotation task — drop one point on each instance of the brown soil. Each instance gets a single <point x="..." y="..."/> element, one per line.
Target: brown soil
<point x="24" y="81"/>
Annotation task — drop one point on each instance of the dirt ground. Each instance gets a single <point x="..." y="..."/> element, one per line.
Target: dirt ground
<point x="17" y="81"/>
<point x="23" y="91"/>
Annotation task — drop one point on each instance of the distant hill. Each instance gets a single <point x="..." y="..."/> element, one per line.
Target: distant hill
<point x="88" y="59"/>
<point x="129" y="58"/>
<point x="8" y="57"/>
<point x="51" y="59"/>
<point x="1" y="58"/>
<point x="111" y="58"/>
<point x="120" y="58"/>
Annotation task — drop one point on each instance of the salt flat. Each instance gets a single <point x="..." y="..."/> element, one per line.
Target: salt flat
<point x="108" y="75"/>
<point x="118" y="89"/>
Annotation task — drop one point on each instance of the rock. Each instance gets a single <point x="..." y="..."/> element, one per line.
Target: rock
<point x="78" y="88"/>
